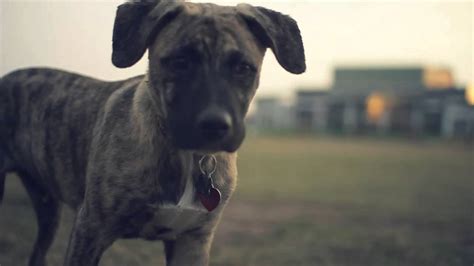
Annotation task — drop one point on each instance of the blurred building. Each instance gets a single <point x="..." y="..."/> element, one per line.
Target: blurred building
<point x="272" y="114"/>
<point x="384" y="100"/>
<point x="311" y="110"/>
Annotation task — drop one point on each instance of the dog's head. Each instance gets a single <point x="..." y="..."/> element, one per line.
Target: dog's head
<point x="204" y="63"/>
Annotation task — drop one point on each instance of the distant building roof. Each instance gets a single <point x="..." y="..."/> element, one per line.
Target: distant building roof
<point x="311" y="92"/>
<point x="269" y="99"/>
<point x="364" y="80"/>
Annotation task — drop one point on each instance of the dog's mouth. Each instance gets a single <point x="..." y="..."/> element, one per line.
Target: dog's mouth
<point x="205" y="145"/>
<point x="208" y="141"/>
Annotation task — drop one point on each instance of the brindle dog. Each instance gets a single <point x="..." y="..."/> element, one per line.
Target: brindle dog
<point x="125" y="155"/>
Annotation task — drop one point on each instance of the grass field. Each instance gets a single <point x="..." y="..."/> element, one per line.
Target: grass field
<point x="314" y="201"/>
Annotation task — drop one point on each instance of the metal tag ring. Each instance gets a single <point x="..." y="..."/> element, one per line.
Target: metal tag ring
<point x="214" y="164"/>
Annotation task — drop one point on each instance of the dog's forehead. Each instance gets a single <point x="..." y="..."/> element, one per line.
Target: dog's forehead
<point x="212" y="26"/>
<point x="212" y="23"/>
<point x="207" y="9"/>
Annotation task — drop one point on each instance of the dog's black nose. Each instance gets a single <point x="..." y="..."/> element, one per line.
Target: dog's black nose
<point x="214" y="123"/>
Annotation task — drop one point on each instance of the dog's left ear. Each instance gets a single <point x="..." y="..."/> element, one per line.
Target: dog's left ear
<point x="278" y="32"/>
<point x="135" y="24"/>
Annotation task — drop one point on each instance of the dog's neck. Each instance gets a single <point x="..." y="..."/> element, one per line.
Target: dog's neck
<point x="151" y="133"/>
<point x="148" y="117"/>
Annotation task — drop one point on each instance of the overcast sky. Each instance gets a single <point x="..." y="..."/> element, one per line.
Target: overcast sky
<point x="76" y="35"/>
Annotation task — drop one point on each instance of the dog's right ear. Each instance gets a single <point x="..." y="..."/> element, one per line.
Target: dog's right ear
<point x="136" y="23"/>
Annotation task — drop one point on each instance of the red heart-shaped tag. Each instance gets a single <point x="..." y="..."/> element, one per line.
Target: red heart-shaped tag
<point x="211" y="201"/>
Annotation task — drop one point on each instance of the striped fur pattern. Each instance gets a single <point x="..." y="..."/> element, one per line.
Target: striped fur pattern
<point x="124" y="154"/>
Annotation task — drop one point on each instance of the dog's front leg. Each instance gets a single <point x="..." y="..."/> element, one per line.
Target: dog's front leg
<point x="88" y="240"/>
<point x="188" y="250"/>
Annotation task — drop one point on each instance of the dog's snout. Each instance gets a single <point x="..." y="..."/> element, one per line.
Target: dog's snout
<point x="214" y="124"/>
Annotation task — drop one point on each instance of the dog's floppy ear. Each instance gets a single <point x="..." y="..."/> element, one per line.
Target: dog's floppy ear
<point x="136" y="22"/>
<point x="279" y="32"/>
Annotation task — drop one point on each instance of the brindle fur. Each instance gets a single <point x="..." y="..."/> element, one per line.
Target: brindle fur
<point x="119" y="152"/>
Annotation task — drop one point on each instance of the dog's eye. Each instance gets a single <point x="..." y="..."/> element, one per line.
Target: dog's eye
<point x="179" y="64"/>
<point x="242" y="69"/>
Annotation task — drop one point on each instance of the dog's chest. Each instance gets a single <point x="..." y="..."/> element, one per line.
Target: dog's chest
<point x="168" y="220"/>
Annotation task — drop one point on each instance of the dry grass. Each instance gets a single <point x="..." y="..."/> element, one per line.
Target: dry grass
<point x="314" y="201"/>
